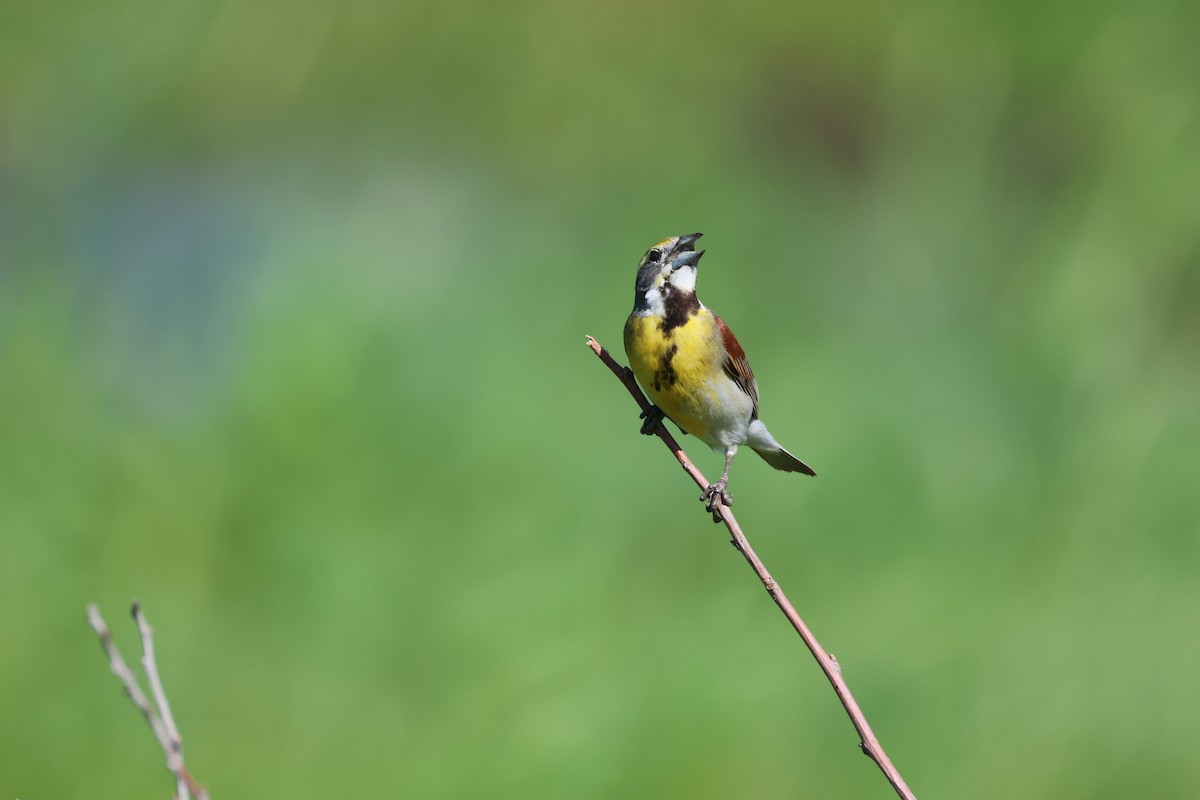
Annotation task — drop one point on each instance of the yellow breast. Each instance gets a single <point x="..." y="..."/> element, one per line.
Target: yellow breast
<point x="679" y="369"/>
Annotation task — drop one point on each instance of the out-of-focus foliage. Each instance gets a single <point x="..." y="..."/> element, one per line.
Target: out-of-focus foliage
<point x="292" y="306"/>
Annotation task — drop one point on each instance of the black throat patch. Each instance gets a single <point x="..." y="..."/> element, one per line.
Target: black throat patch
<point x="678" y="307"/>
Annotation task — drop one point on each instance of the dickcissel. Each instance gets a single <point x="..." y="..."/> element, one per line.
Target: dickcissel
<point x="692" y="367"/>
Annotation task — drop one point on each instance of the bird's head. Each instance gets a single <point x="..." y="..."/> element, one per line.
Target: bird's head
<point x="668" y="268"/>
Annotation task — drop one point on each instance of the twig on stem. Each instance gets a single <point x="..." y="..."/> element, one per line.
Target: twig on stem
<point x="157" y="714"/>
<point x="828" y="664"/>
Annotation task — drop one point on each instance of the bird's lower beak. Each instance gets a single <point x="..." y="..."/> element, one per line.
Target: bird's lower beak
<point x="689" y="258"/>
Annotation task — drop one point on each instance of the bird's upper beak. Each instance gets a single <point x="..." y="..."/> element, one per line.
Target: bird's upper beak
<point x="683" y="254"/>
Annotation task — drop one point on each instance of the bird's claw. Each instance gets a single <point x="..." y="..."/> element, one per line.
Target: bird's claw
<point x="652" y="416"/>
<point x="717" y="495"/>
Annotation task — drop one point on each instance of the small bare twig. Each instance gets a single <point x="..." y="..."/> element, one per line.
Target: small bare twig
<point x="157" y="714"/>
<point x="828" y="664"/>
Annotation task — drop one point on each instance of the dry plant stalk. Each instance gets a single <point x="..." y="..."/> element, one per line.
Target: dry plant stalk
<point x="829" y="665"/>
<point x="158" y="713"/>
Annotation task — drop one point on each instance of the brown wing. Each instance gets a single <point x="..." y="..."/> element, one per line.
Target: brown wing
<point x="736" y="365"/>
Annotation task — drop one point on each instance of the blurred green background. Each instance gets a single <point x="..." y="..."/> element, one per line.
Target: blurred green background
<point x="292" y="308"/>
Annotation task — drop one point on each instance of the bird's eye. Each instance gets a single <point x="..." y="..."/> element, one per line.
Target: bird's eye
<point x="654" y="256"/>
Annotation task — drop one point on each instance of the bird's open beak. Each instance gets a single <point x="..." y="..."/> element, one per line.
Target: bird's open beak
<point x="683" y="255"/>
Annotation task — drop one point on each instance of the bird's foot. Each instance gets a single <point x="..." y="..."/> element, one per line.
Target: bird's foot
<point x="717" y="495"/>
<point x="652" y="416"/>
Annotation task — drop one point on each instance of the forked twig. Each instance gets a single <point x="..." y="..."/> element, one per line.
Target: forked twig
<point x="828" y="664"/>
<point x="157" y="714"/>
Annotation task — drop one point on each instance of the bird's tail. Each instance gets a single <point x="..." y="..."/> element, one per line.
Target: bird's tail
<point x="762" y="442"/>
<point x="783" y="460"/>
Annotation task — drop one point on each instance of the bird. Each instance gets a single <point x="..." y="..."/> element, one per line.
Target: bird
<point x="692" y="367"/>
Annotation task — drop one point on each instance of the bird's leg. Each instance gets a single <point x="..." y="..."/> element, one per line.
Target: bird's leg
<point x="652" y="416"/>
<point x="718" y="493"/>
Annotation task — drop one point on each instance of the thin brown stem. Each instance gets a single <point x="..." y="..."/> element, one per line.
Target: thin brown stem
<point x="867" y="741"/>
